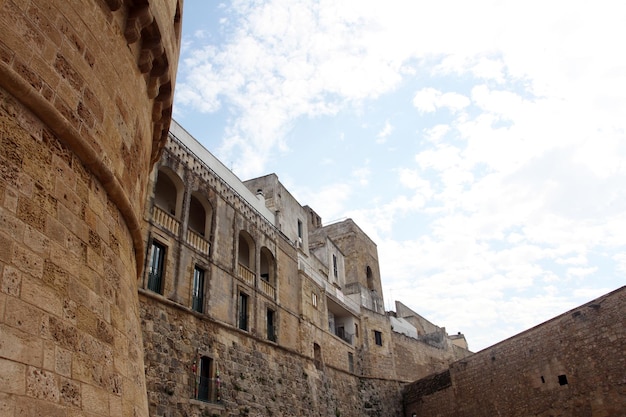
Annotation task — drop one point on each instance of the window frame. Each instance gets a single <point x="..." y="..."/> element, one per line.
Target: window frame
<point x="197" y="289"/>
<point x="243" y="311"/>
<point x="378" y="337"/>
<point x="156" y="270"/>
<point x="271" y="333"/>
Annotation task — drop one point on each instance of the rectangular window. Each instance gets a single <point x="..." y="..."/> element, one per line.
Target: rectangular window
<point x="314" y="299"/>
<point x="198" y="289"/>
<point x="350" y="362"/>
<point x="271" y="325"/>
<point x="378" y="337"/>
<point x="300" y="231"/>
<point x="243" y="311"/>
<point x="207" y="384"/>
<point x="155" y="271"/>
<point x="335" y="265"/>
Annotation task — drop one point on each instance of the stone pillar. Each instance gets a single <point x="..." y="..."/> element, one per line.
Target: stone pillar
<point x="85" y="104"/>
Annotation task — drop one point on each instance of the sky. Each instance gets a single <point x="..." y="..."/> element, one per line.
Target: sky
<point x="481" y="145"/>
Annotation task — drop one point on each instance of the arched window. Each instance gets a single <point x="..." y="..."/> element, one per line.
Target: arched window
<point x="197" y="216"/>
<point x="267" y="266"/>
<point x="246" y="250"/>
<point x="200" y="215"/>
<point x="246" y="260"/>
<point x="168" y="192"/>
<point x="370" y="278"/>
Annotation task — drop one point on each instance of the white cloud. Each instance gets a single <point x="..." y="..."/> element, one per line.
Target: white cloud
<point x="519" y="176"/>
<point x="427" y="100"/>
<point x="382" y="136"/>
<point x="436" y="133"/>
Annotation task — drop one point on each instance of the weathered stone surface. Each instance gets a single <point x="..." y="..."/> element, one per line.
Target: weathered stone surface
<point x="572" y="365"/>
<point x="71" y="201"/>
<point x="12" y="377"/>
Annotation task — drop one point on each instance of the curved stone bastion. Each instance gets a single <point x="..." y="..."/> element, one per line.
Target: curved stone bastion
<point x="86" y="92"/>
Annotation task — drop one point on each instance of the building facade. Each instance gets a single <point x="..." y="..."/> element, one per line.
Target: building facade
<point x="250" y="306"/>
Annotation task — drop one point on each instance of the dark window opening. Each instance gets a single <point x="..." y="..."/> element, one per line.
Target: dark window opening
<point x="370" y="278"/>
<point x="267" y="266"/>
<point x="335" y="265"/>
<point x="271" y="325"/>
<point x="197" y="216"/>
<point x="317" y="356"/>
<point x="378" y="337"/>
<point x="351" y="362"/>
<point x="243" y="311"/>
<point x="198" y="289"/>
<point x="543" y="380"/>
<point x="300" y="231"/>
<point x="207" y="383"/>
<point x="165" y="194"/>
<point x="562" y="380"/>
<point x="155" y="272"/>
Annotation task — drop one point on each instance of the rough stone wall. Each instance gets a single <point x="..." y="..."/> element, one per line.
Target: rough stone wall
<point x="422" y="325"/>
<point x="69" y="337"/>
<point x="85" y="103"/>
<point x="257" y="378"/>
<point x="278" y="198"/>
<point x="415" y="359"/>
<point x="378" y="360"/>
<point x="360" y="252"/>
<point x="572" y="365"/>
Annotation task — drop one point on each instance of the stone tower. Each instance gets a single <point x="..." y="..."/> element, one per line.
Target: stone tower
<point x="85" y="105"/>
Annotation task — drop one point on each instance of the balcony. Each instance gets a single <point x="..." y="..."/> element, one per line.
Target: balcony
<point x="267" y="289"/>
<point x="166" y="221"/>
<point x="246" y="275"/>
<point x="343" y="335"/>
<point x="198" y="242"/>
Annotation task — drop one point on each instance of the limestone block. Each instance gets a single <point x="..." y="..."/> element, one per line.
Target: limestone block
<point x="7" y="404"/>
<point x="40" y="295"/>
<point x="69" y="392"/>
<point x="27" y="261"/>
<point x="95" y="399"/>
<point x="11" y="280"/>
<point x="12" y="378"/>
<point x="20" y="346"/>
<point x="23" y="316"/>
<point x="42" y="384"/>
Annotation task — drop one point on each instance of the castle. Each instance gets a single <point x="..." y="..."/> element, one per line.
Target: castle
<point x="139" y="276"/>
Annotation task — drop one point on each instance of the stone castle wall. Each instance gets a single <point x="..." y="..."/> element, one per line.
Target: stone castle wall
<point x="85" y="103"/>
<point x="257" y="378"/>
<point x="572" y="365"/>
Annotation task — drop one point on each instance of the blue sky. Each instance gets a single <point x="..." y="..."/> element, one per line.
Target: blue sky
<point x="481" y="144"/>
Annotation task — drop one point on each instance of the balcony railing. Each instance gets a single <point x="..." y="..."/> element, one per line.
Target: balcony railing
<point x="343" y="335"/>
<point x="198" y="242"/>
<point x="207" y="389"/>
<point x="165" y="220"/>
<point x="267" y="289"/>
<point x="246" y="275"/>
<point x="196" y="304"/>
<point x="155" y="282"/>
